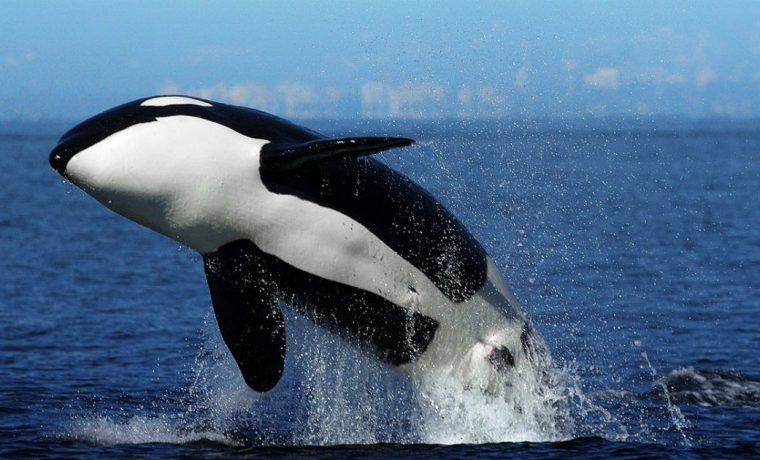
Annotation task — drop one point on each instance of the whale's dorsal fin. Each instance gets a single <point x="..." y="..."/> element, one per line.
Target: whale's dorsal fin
<point x="243" y="292"/>
<point x="285" y="156"/>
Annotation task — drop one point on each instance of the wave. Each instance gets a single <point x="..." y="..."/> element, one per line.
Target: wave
<point x="712" y="387"/>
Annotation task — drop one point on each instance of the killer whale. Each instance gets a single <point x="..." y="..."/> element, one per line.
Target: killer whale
<point x="279" y="212"/>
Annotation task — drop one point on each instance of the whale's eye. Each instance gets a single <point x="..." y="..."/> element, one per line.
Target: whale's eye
<point x="501" y="358"/>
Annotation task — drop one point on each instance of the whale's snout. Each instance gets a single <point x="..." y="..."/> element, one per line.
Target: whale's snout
<point x="61" y="155"/>
<point x="78" y="139"/>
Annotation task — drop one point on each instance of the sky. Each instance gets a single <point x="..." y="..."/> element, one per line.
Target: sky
<point x="378" y="59"/>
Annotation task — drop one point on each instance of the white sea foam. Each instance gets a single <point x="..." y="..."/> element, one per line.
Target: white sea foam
<point x="104" y="430"/>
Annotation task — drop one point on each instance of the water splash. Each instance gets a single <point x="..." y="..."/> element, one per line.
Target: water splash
<point x="107" y="430"/>
<point x="354" y="399"/>
<point x="218" y="396"/>
<point x="333" y="394"/>
<point x="207" y="410"/>
<point x="351" y="398"/>
<point x="679" y="421"/>
<point x="545" y="404"/>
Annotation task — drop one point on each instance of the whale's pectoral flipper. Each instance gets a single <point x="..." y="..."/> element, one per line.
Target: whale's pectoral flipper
<point x="284" y="156"/>
<point x="243" y="292"/>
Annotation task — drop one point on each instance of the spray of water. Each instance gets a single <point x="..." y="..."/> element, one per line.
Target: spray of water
<point x="208" y="410"/>
<point x="679" y="421"/>
<point x="332" y="393"/>
<point x="169" y="429"/>
<point x="350" y="398"/>
<point x="545" y="403"/>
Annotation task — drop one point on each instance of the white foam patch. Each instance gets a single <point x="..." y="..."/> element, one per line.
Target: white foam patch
<point x="538" y="408"/>
<point x="103" y="430"/>
<point x="173" y="100"/>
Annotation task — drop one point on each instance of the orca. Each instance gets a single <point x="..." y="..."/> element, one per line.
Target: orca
<point x="283" y="215"/>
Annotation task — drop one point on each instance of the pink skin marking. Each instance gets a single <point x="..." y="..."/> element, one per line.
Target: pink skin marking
<point x="488" y="349"/>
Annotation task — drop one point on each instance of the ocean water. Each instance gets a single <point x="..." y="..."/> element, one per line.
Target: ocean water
<point x="633" y="245"/>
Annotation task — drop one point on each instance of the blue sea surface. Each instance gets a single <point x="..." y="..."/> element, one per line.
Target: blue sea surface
<point x="633" y="245"/>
